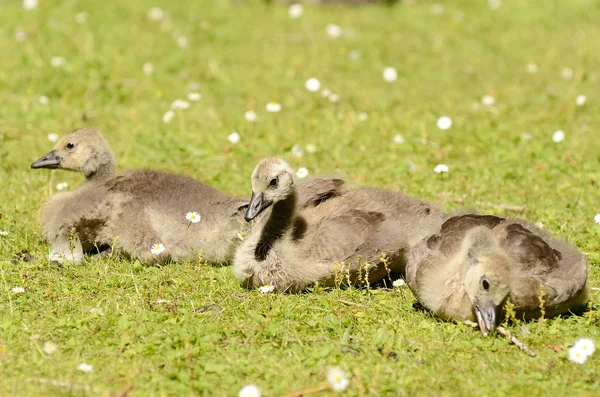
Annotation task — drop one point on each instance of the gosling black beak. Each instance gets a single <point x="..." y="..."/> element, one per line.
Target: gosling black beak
<point x="50" y="160"/>
<point x="256" y="206"/>
<point x="487" y="314"/>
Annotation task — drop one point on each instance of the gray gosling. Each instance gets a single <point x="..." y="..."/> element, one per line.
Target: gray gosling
<point x="475" y="263"/>
<point x="134" y="211"/>
<point x="325" y="235"/>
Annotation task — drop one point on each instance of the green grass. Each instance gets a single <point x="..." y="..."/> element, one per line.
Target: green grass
<point x="243" y="57"/>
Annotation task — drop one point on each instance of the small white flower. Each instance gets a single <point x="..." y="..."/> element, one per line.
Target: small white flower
<point x="148" y="68"/>
<point x="265" y="289"/>
<point x="295" y="11"/>
<point x="390" y="74"/>
<point x="312" y="84"/>
<point x="440" y="168"/>
<point x="84" y="367"/>
<point x="580" y="100"/>
<point x="194" y="96"/>
<point x="585" y="345"/>
<point x="61" y="186"/>
<point x="310" y="148"/>
<point x="333" y="98"/>
<point x="488" y="100"/>
<point x="182" y="41"/>
<point x="3" y="233"/>
<point x="526" y="136"/>
<point x="540" y="225"/>
<point x="168" y="116"/>
<point x="44" y="100"/>
<point x="566" y="73"/>
<point x="297" y="151"/>
<point x="18" y="290"/>
<point x="234" y="137"/>
<point x="362" y="116"/>
<point x="326" y="92"/>
<point x="531" y="68"/>
<point x="494" y="4"/>
<point x="50" y="348"/>
<point x="30" y="4"/>
<point x="52" y="137"/>
<point x="157" y="248"/>
<point x="333" y="30"/>
<point x="249" y="391"/>
<point x="302" y="172"/>
<point x="398" y="139"/>
<point x="444" y="123"/>
<point x="577" y="355"/>
<point x="193" y="217"/>
<point x="20" y="35"/>
<point x="58" y="62"/>
<point x="241" y="236"/>
<point x="81" y="17"/>
<point x="163" y="301"/>
<point x="273" y="107"/>
<point x="399" y="283"/>
<point x="558" y="136"/>
<point x="179" y="104"/>
<point x="596" y="219"/>
<point x="250" y="115"/>
<point x="437" y="9"/>
<point x="96" y="312"/>
<point x="354" y="55"/>
<point x="155" y="14"/>
<point x="336" y="377"/>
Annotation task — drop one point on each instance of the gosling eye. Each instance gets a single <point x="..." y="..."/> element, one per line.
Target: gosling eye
<point x="485" y="284"/>
<point x="273" y="182"/>
<point x="70" y="145"/>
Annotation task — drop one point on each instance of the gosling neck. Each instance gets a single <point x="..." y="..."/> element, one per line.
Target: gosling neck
<point x="101" y="174"/>
<point x="279" y="222"/>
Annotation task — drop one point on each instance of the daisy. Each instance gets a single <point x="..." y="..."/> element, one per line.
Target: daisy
<point x="531" y="68"/>
<point x="558" y="136"/>
<point x="168" y="116"/>
<point x="179" y="104"/>
<point x="295" y="11"/>
<point x="440" y="168"/>
<point x="526" y="136"/>
<point x="398" y="139"/>
<point x="148" y="68"/>
<point x="81" y="17"/>
<point x="399" y="283"/>
<point x="96" y="312"/>
<point x="566" y="73"/>
<point x="488" y="100"/>
<point x="194" y="96"/>
<point x="333" y="30"/>
<point x="540" y="225"/>
<point x="234" y="137"/>
<point x="250" y="115"/>
<point x="18" y="290"/>
<point x="52" y="137"/>
<point x="193" y="217"/>
<point x="58" y="62"/>
<point x="182" y="41"/>
<point x="44" y="100"/>
<point x="362" y="116"/>
<point x="163" y="301"/>
<point x="273" y="107"/>
<point x="297" y="151"/>
<point x="20" y="35"/>
<point x="337" y="379"/>
<point x="265" y="289"/>
<point x="312" y="84"/>
<point x="249" y="391"/>
<point x="157" y="248"/>
<point x="84" y="367"/>
<point x="3" y="233"/>
<point x="577" y="355"/>
<point x="310" y="148"/>
<point x="444" y="123"/>
<point x="62" y="186"/>
<point x="302" y="172"/>
<point x="390" y="74"/>
<point x="326" y="92"/>
<point x="155" y="14"/>
<point x="241" y="236"/>
<point x="333" y="98"/>
<point x="30" y="4"/>
<point x="580" y="100"/>
<point x="586" y="346"/>
<point x="50" y="348"/>
<point x="596" y="219"/>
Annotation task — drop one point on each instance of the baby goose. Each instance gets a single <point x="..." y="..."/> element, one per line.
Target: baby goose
<point x="295" y="244"/>
<point x="469" y="269"/>
<point x="138" y="209"/>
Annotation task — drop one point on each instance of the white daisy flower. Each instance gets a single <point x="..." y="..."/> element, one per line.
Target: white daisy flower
<point x="312" y="84"/>
<point x="157" y="249"/>
<point x="81" y="17"/>
<point x="333" y="30"/>
<point x="310" y="148"/>
<point x="273" y="107"/>
<point x="297" y="151"/>
<point x="390" y="74"/>
<point x="194" y="96"/>
<point x="586" y="346"/>
<point x="193" y="217"/>
<point x="566" y="73"/>
<point x="302" y="172"/>
<point x="362" y="116"/>
<point x="96" y="311"/>
<point x="326" y="92"/>
<point x="52" y="137"/>
<point x="30" y="4"/>
<point x="354" y="55"/>
<point x="488" y="100"/>
<point x="3" y="233"/>
<point x="179" y="104"/>
<point x="163" y="301"/>
<point x="168" y="116"/>
<point x="84" y="367"/>
<point x="333" y="98"/>
<point x="241" y="236"/>
<point x="234" y="137"/>
<point x="250" y="115"/>
<point x="580" y="100"/>
<point x="61" y="186"/>
<point x="20" y="35"/>
<point x="18" y="290"/>
<point x="58" y="62"/>
<point x="540" y="225"/>
<point x="531" y="68"/>
<point x="155" y="14"/>
<point x="336" y="377"/>
<point x="265" y="289"/>
<point x="577" y="355"/>
<point x="182" y="41"/>
<point x="444" y="123"/>
<point x="148" y="68"/>
<point x="596" y="219"/>
<point x="295" y="11"/>
<point x="398" y="139"/>
<point x="494" y="4"/>
<point x="44" y="100"/>
<point x="249" y="391"/>
<point x="50" y="348"/>
<point x="558" y="136"/>
<point x="399" y="283"/>
<point x="440" y="168"/>
<point x="526" y="136"/>
<point x="437" y="9"/>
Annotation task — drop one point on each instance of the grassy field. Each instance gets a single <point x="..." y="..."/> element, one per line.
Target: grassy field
<point x="534" y="58"/>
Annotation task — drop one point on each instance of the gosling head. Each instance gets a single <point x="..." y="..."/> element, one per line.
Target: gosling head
<point x="486" y="280"/>
<point x="272" y="181"/>
<point x="84" y="150"/>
